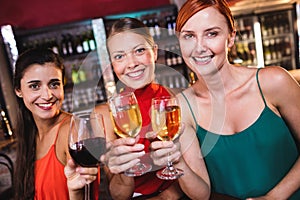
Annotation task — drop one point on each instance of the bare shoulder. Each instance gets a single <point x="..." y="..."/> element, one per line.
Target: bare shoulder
<point x="64" y="121"/>
<point x="103" y="109"/>
<point x="275" y="77"/>
<point x="185" y="101"/>
<point x="277" y="83"/>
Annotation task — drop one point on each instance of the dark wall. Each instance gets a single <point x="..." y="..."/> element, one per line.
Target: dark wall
<point x="39" y="13"/>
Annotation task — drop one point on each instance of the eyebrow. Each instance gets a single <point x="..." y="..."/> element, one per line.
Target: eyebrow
<point x="37" y="81"/>
<point x="209" y="29"/>
<point x="121" y="51"/>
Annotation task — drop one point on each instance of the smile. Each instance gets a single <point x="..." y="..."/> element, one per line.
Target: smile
<point x="135" y="73"/>
<point x="203" y="59"/>
<point x="45" y="105"/>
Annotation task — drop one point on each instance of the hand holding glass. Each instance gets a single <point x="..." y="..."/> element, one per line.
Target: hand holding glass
<point x="166" y="120"/>
<point x="127" y="120"/>
<point x="87" y="141"/>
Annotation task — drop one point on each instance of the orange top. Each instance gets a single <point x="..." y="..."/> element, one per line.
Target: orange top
<point x="50" y="180"/>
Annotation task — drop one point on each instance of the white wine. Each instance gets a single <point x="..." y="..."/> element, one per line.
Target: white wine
<point x="166" y="122"/>
<point x="127" y="120"/>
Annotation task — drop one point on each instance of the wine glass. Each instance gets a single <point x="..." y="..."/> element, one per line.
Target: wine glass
<point x="87" y="141"/>
<point x="127" y="120"/>
<point x="166" y="120"/>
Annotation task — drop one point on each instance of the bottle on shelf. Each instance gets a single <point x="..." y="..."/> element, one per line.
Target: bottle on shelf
<point x="5" y="125"/>
<point x="92" y="42"/>
<point x="78" y="48"/>
<point x="75" y="75"/>
<point x="85" y="42"/>
<point x="192" y="78"/>
<point x="168" y="56"/>
<point x="157" y="29"/>
<point x="64" y="46"/>
<point x="169" y="26"/>
<point x="267" y="52"/>
<point x="173" y="55"/>
<point x="69" y="40"/>
<point x="287" y="46"/>
<point x="179" y="57"/>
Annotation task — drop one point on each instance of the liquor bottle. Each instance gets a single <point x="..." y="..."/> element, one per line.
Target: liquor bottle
<point x="157" y="29"/>
<point x="78" y="44"/>
<point x="54" y="45"/>
<point x="287" y="46"/>
<point x="81" y="75"/>
<point x="75" y="76"/>
<point x="267" y="52"/>
<point x="173" y="55"/>
<point x="169" y="26"/>
<point x="173" y="19"/>
<point x="150" y="25"/>
<point x="192" y="78"/>
<point x="278" y="47"/>
<point x="272" y="49"/>
<point x="168" y="56"/>
<point x="85" y="42"/>
<point x="92" y="43"/>
<point x="69" y="40"/>
<point x="5" y="125"/>
<point x="179" y="57"/>
<point x="63" y="46"/>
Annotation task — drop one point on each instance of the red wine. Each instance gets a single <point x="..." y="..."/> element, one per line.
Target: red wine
<point x="87" y="152"/>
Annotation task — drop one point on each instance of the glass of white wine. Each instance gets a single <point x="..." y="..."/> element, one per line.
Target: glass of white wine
<point x="127" y="120"/>
<point x="166" y="120"/>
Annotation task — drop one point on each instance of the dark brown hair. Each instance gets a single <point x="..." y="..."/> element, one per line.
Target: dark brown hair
<point x="26" y="129"/>
<point x="191" y="7"/>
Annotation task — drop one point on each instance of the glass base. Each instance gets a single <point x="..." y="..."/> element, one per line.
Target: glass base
<point x="169" y="173"/>
<point x="138" y="170"/>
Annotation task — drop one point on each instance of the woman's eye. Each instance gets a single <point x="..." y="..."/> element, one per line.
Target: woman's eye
<point x="187" y="36"/>
<point x="55" y="85"/>
<point x="140" y="51"/>
<point x="212" y="34"/>
<point x="34" y="86"/>
<point x="118" y="57"/>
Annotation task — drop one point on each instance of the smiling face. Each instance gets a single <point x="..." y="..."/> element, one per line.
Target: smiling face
<point x="41" y="88"/>
<point x="204" y="41"/>
<point x="133" y="59"/>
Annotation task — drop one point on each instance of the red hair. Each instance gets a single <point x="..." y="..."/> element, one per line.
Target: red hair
<point x="191" y="7"/>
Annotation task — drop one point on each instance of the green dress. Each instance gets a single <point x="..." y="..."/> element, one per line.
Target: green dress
<point x="253" y="161"/>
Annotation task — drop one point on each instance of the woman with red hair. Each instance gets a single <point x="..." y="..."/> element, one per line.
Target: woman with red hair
<point x="246" y="119"/>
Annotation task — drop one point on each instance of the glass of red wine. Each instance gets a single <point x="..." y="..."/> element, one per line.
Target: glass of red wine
<point x="87" y="141"/>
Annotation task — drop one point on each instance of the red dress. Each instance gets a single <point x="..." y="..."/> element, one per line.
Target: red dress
<point x="148" y="183"/>
<point x="50" y="180"/>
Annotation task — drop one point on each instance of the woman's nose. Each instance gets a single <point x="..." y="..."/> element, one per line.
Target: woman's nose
<point x="46" y="93"/>
<point x="131" y="60"/>
<point x="200" y="45"/>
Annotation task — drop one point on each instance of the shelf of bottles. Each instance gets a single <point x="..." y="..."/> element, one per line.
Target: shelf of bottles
<point x="171" y="70"/>
<point x="244" y="50"/>
<point x="76" y="44"/>
<point x="278" y="37"/>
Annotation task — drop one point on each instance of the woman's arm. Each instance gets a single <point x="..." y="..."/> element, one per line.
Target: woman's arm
<point x="195" y="181"/>
<point x="282" y="93"/>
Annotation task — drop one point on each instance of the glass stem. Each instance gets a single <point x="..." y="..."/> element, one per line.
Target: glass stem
<point x="87" y="192"/>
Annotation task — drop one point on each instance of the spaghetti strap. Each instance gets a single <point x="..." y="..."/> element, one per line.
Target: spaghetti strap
<point x="189" y="107"/>
<point x="261" y="93"/>
<point x="60" y="124"/>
